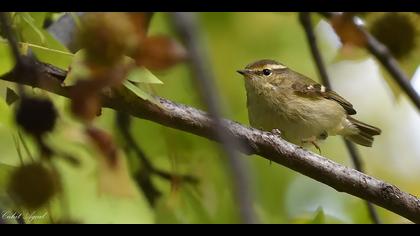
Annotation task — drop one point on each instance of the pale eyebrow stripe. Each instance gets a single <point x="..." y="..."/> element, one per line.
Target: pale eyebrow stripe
<point x="276" y="66"/>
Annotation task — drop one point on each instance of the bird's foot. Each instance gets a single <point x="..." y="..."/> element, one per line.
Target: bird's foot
<point x="316" y="146"/>
<point x="312" y="140"/>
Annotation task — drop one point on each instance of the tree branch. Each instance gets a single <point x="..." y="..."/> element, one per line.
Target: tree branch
<point x="383" y="55"/>
<point x="354" y="155"/>
<point x="265" y="144"/>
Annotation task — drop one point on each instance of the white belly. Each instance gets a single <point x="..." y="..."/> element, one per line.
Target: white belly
<point x="304" y="119"/>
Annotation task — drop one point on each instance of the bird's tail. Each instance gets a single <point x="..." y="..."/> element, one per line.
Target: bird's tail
<point x="364" y="134"/>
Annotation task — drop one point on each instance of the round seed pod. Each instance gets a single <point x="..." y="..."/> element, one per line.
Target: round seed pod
<point x="36" y="115"/>
<point x="32" y="186"/>
<point x="397" y="31"/>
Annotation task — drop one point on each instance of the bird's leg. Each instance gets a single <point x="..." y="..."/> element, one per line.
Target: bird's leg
<point x="276" y="132"/>
<point x="312" y="140"/>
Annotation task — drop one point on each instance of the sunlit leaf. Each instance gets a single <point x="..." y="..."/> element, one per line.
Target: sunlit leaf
<point x="7" y="61"/>
<point x="56" y="56"/>
<point x="39" y="45"/>
<point x="38" y="18"/>
<point x="319" y="217"/>
<point x="6" y="113"/>
<point x="140" y="92"/>
<point x="26" y="17"/>
<point x="78" y="69"/>
<point x="143" y="75"/>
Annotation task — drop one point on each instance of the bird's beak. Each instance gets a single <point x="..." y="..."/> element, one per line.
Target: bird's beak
<point x="243" y="72"/>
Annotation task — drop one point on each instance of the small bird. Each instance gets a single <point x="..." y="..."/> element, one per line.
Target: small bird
<point x="297" y="108"/>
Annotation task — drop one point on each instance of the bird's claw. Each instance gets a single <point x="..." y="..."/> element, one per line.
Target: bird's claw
<point x="313" y="142"/>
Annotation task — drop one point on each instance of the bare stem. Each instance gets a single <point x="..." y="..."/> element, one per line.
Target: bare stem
<point x="186" y="25"/>
<point x="354" y="155"/>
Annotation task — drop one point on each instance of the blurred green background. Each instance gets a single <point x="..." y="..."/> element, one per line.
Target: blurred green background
<point x="280" y="195"/>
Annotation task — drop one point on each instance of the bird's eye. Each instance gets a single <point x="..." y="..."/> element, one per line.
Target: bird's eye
<point x="266" y="72"/>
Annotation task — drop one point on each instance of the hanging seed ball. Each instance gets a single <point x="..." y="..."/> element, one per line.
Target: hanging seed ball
<point x="36" y="115"/>
<point x="32" y="186"/>
<point x="397" y="31"/>
<point x="107" y="37"/>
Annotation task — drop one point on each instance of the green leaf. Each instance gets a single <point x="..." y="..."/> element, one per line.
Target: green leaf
<point x="39" y="18"/>
<point x="143" y="75"/>
<point x="140" y="92"/>
<point x="319" y="217"/>
<point x="7" y="62"/>
<point x="57" y="55"/>
<point x="11" y="96"/>
<point x="6" y="114"/>
<point x="27" y="18"/>
<point x="78" y="70"/>
<point x="46" y="48"/>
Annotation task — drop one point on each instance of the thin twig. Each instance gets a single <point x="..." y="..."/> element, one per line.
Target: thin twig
<point x="188" y="29"/>
<point x="383" y="55"/>
<point x="152" y="193"/>
<point x="11" y="37"/>
<point x="358" y="165"/>
<point x="310" y="35"/>
<point x="25" y="146"/>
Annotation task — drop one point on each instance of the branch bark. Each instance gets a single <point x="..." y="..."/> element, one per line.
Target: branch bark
<point x="265" y="144"/>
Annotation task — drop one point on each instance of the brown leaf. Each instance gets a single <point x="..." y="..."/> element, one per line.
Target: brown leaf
<point x="142" y="21"/>
<point x="347" y="30"/>
<point x="86" y="103"/>
<point x="160" y="52"/>
<point x="105" y="144"/>
<point x="114" y="175"/>
<point x="109" y="76"/>
<point x="86" y="93"/>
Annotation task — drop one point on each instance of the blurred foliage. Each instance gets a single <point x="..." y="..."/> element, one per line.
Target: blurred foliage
<point x="96" y="175"/>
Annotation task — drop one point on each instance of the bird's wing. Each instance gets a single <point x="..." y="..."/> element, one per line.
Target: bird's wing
<point x="309" y="88"/>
